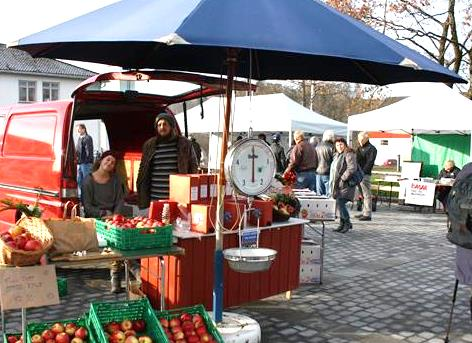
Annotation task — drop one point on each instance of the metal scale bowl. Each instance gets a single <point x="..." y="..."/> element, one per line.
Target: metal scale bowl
<point x="249" y="260"/>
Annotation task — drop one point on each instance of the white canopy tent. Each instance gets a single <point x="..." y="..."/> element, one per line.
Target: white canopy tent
<point x="440" y="110"/>
<point x="266" y="113"/>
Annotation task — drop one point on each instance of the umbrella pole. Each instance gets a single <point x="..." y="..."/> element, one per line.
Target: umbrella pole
<point x="218" y="281"/>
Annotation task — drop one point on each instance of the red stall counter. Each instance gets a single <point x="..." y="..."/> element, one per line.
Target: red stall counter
<point x="189" y="278"/>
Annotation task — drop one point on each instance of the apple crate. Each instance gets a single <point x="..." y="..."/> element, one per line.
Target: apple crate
<point x="9" y="334"/>
<point x="135" y="238"/>
<point x="62" y="286"/>
<point x="200" y="309"/>
<point x="37" y="328"/>
<point x="102" y="313"/>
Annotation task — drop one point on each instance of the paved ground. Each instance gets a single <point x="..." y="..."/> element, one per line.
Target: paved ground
<point x="389" y="280"/>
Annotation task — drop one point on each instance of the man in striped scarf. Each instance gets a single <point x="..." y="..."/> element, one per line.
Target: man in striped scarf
<point x="164" y="154"/>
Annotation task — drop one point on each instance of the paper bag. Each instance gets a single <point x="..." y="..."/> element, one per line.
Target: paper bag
<point x="71" y="235"/>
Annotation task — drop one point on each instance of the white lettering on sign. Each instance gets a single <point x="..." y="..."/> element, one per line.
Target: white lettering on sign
<point x="28" y="287"/>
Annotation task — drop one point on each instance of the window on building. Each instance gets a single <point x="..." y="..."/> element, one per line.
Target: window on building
<point x="27" y="91"/>
<point x="384" y="142"/>
<point x="50" y="91"/>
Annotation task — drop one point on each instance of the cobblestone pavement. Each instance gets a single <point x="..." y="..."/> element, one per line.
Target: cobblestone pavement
<point x="388" y="280"/>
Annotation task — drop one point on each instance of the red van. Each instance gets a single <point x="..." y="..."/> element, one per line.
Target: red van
<point x="37" y="150"/>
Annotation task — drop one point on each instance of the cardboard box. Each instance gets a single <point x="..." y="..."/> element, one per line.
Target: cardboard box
<point x="310" y="253"/>
<point x="310" y="273"/>
<point x="155" y="209"/>
<point x="263" y="210"/>
<point x="203" y="218"/>
<point x="317" y="208"/>
<point x="184" y="188"/>
<point x="233" y="212"/>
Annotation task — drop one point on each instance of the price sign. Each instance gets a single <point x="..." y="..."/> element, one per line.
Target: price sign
<point x="28" y="287"/>
<point x="249" y="237"/>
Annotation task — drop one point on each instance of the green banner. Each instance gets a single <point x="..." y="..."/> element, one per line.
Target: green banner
<point x="435" y="149"/>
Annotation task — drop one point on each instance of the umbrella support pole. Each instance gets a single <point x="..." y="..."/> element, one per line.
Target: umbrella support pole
<point x="218" y="281"/>
<point x="448" y="330"/>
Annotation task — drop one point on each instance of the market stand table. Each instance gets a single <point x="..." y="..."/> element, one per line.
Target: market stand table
<point x="190" y="277"/>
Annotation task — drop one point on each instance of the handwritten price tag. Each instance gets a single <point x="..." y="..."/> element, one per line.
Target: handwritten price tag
<point x="28" y="287"/>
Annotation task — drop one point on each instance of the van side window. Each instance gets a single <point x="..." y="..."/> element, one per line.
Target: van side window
<point x="30" y="135"/>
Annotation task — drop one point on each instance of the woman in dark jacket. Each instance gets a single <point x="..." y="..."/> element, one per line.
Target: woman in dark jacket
<point x="342" y="168"/>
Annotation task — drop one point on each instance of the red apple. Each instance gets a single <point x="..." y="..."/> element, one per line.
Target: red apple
<point x="139" y="325"/>
<point x="175" y="329"/>
<point x="185" y="316"/>
<point x="33" y="245"/>
<point x="51" y="341"/>
<point x="131" y="339"/>
<point x="62" y="337"/>
<point x="70" y="329"/>
<point x="48" y="334"/>
<point x="179" y="335"/>
<point x="130" y="333"/>
<point x="126" y="325"/>
<point x="193" y="339"/>
<point x="57" y="328"/>
<point x="164" y="322"/>
<point x="187" y="325"/>
<point x="190" y="332"/>
<point x="205" y="338"/>
<point x="174" y="322"/>
<point x="11" y="244"/>
<point x="12" y="339"/>
<point x="81" y="333"/>
<point x="112" y="327"/>
<point x="201" y="330"/>
<point x="77" y="340"/>
<point x="145" y="339"/>
<point x="117" y="337"/>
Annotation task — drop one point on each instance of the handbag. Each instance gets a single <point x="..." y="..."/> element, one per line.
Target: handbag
<point x="356" y="177"/>
<point x="74" y="234"/>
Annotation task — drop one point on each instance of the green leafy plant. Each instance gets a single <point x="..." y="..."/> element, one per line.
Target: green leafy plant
<point x="27" y="210"/>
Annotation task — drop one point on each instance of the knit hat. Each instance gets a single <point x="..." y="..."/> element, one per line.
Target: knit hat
<point x="167" y="117"/>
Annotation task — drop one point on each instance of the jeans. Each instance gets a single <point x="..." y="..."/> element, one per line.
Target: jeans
<point x="306" y="179"/>
<point x="83" y="170"/>
<point x="322" y="185"/>
<point x="343" y="212"/>
<point x="366" y="186"/>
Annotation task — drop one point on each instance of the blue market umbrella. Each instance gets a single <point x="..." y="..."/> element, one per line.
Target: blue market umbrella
<point x="261" y="39"/>
<point x="277" y="39"/>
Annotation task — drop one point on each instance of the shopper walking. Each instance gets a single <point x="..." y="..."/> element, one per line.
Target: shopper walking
<point x="84" y="153"/>
<point x="366" y="154"/>
<point x="278" y="150"/>
<point x="342" y="168"/>
<point x="303" y="162"/>
<point x="324" y="152"/>
<point x="166" y="153"/>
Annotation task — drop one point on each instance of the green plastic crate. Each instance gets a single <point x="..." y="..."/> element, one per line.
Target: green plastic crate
<point x="134" y="238"/>
<point x="102" y="313"/>
<point x="6" y="335"/>
<point x="62" y="286"/>
<point x="211" y="328"/>
<point x="38" y="328"/>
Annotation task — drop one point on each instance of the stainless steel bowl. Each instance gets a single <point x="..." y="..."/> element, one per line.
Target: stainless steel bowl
<point x="249" y="260"/>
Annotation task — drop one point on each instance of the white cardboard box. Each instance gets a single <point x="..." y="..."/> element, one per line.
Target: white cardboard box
<point x="310" y="273"/>
<point x="316" y="208"/>
<point x="310" y="253"/>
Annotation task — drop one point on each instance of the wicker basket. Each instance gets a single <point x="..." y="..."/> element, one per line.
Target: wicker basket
<point x="21" y="258"/>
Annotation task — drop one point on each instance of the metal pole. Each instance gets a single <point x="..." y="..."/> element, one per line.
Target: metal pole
<point x="23" y="323"/>
<point x="218" y="280"/>
<point x="446" y="339"/>
<point x="163" y="282"/>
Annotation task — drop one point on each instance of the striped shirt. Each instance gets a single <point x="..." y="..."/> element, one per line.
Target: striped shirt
<point x="164" y="163"/>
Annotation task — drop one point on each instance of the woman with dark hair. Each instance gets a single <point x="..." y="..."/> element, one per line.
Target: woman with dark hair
<point x="342" y="168"/>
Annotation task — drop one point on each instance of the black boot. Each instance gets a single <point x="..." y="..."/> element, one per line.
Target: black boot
<point x="346" y="227"/>
<point x="341" y="226"/>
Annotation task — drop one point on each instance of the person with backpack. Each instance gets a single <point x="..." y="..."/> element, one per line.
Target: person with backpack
<point x="342" y="170"/>
<point x="366" y="154"/>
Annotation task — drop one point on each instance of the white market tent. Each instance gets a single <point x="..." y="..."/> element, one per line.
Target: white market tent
<point x="439" y="110"/>
<point x="266" y="113"/>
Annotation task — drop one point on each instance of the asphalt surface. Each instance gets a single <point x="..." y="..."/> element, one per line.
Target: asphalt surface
<point x="388" y="280"/>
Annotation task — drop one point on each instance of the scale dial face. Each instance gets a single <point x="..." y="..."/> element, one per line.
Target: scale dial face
<point x="250" y="166"/>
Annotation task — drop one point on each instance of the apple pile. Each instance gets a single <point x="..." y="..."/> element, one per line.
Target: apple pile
<point x="131" y="223"/>
<point x="186" y="329"/>
<point x="127" y="332"/>
<point x="17" y="237"/>
<point x="60" y="333"/>
<point x="14" y="339"/>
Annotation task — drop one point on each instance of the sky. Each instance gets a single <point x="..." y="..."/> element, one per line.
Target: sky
<point x="20" y="18"/>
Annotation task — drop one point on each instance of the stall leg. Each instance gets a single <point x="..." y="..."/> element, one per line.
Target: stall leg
<point x="446" y="339"/>
<point x="3" y="322"/>
<point x="163" y="282"/>
<point x="288" y="295"/>
<point x="128" y="288"/>
<point x="23" y="323"/>
<point x="322" y="251"/>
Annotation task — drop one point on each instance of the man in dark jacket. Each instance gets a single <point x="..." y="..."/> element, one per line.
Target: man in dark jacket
<point x="84" y="151"/>
<point x="325" y="153"/>
<point x="303" y="161"/>
<point x="166" y="153"/>
<point x="279" y="153"/>
<point x="366" y="154"/>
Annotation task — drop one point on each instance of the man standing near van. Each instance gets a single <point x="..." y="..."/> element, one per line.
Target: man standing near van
<point x="84" y="151"/>
<point x="366" y="154"/>
<point x="164" y="154"/>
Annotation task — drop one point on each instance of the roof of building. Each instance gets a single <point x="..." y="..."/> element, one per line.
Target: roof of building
<point x="18" y="61"/>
